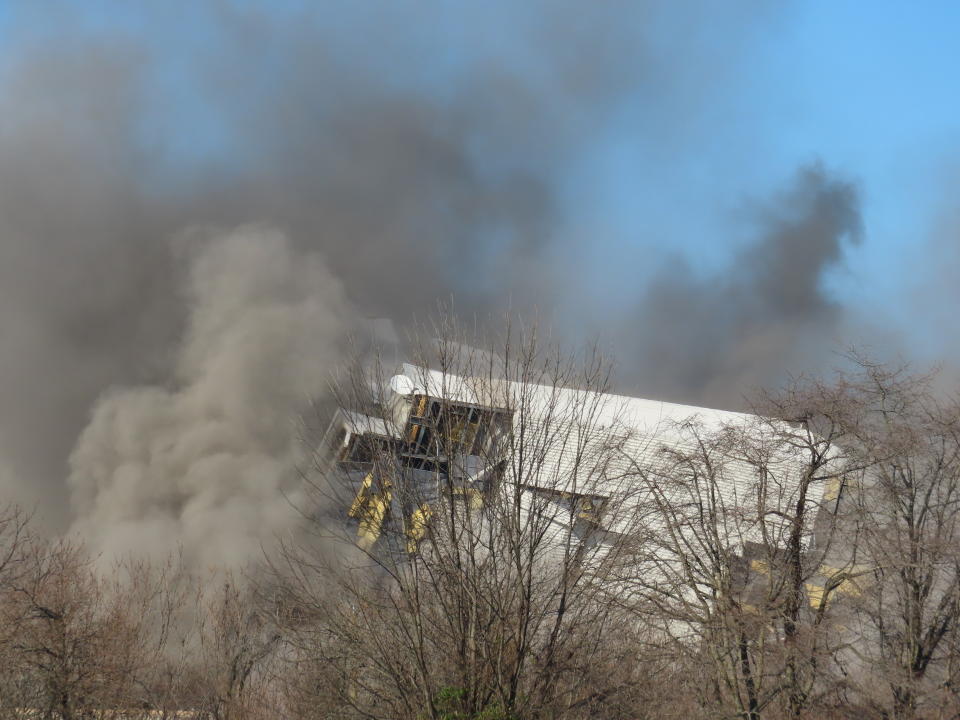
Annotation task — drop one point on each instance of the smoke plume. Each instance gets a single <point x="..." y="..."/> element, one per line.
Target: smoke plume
<point x="366" y="160"/>
<point x="714" y="339"/>
<point x="210" y="461"/>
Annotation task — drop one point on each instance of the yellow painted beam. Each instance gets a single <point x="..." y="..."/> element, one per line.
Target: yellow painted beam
<point x="371" y="522"/>
<point x="417" y="528"/>
<point x="832" y="489"/>
<point x="362" y="498"/>
<point x="472" y="495"/>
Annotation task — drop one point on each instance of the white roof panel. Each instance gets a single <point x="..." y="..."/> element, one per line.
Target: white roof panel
<point x="627" y="435"/>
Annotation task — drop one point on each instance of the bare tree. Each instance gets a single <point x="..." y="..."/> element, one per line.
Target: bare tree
<point x="809" y="556"/>
<point x="809" y="535"/>
<point x="470" y="582"/>
<point x="736" y="566"/>
<point x="15" y="543"/>
<point x="496" y="536"/>
<point x="236" y="642"/>
<point x="84" y="643"/>
<point x="909" y="523"/>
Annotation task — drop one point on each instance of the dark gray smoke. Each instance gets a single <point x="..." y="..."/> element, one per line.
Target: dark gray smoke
<point x="398" y="189"/>
<point x="197" y="205"/>
<point x="714" y="339"/>
<point x="86" y="279"/>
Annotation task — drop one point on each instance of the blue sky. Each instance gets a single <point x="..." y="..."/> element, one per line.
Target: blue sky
<point x="869" y="89"/>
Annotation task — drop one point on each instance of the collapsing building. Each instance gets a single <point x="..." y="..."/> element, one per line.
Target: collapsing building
<point x="629" y="485"/>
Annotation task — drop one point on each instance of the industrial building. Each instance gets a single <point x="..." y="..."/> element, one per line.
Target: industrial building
<point x="596" y="469"/>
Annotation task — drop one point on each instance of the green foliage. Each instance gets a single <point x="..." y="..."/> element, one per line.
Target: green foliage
<point x="450" y="700"/>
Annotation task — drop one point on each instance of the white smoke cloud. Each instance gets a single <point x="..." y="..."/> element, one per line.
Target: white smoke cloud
<point x="209" y="464"/>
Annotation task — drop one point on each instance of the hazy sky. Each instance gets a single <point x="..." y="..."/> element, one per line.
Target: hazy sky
<point x="868" y="89"/>
<point x="723" y="192"/>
